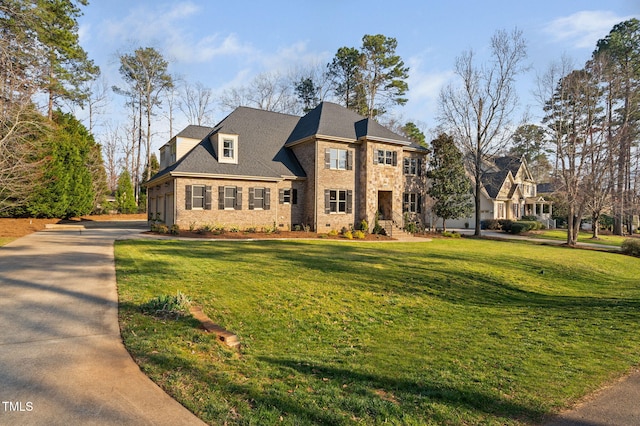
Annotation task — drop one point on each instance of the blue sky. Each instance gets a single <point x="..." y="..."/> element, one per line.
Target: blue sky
<point x="224" y="44"/>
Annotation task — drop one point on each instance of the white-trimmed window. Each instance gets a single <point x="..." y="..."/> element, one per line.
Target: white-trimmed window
<point x="338" y="159"/>
<point x="229" y="198"/>
<point x="227" y="148"/>
<point x="338" y="201"/>
<point x="385" y="157"/>
<point x="259" y="199"/>
<point x="288" y="196"/>
<point x="197" y="197"/>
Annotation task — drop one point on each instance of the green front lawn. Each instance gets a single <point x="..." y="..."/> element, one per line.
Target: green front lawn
<point x="583" y="237"/>
<point x="444" y="332"/>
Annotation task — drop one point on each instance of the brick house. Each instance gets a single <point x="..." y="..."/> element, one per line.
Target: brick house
<point x="329" y="169"/>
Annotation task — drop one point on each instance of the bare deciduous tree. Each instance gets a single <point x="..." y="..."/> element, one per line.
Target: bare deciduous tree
<point x="270" y="91"/>
<point x="196" y="103"/>
<point x="478" y="111"/>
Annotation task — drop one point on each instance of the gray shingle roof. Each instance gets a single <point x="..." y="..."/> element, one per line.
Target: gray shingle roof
<point x="194" y="132"/>
<point x="261" y="151"/>
<point x="329" y="119"/>
<point x="492" y="181"/>
<point x="263" y="137"/>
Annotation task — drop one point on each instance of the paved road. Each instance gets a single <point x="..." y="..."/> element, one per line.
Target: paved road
<point x="62" y="361"/>
<point x="615" y="405"/>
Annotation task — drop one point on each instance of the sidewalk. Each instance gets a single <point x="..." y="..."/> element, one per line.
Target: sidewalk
<point x="62" y="361"/>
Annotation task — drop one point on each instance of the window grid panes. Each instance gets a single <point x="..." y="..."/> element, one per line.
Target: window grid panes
<point x="228" y="148"/>
<point x="258" y="198"/>
<point x="338" y="201"/>
<point x="229" y="197"/>
<point x="197" y="197"/>
<point x="338" y="159"/>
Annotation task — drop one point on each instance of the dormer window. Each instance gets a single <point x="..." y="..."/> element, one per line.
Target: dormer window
<point x="227" y="148"/>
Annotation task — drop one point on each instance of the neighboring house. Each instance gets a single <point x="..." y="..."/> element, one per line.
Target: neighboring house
<point x="330" y="169"/>
<point x="508" y="192"/>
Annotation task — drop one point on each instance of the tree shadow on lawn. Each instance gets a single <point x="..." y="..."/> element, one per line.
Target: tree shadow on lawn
<point x="384" y="397"/>
<point x="378" y="268"/>
<point x="410" y="397"/>
<point x="435" y="277"/>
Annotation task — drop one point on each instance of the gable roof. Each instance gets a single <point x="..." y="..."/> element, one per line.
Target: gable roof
<point x="194" y="132"/>
<point x="261" y="152"/>
<point x="493" y="179"/>
<point x="264" y="138"/>
<point x="335" y="121"/>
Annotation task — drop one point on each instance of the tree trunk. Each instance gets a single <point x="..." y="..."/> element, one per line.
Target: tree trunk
<point x="444" y="225"/>
<point x="571" y="238"/>
<point x="594" y="225"/>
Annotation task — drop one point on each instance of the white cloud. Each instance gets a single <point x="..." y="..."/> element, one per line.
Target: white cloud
<point x="169" y="29"/>
<point x="425" y="85"/>
<point x="424" y="88"/>
<point x="583" y="29"/>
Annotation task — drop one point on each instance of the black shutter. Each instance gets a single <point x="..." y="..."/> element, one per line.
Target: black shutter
<point x="327" y="158"/>
<point x="238" y="204"/>
<point x="207" y="197"/>
<point x="327" y="201"/>
<point x="395" y="158"/>
<point x="187" y="197"/>
<point x="281" y="196"/>
<point x="419" y="206"/>
<point x="349" y="160"/>
<point x="294" y="196"/>
<point x="252" y="192"/>
<point x="419" y="166"/>
<point x="221" y="198"/>
<point x="349" y="201"/>
<point x="267" y="199"/>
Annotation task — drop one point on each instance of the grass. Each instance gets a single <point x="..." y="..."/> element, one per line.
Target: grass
<point x="447" y="332"/>
<point x="583" y="237"/>
<point x="5" y="240"/>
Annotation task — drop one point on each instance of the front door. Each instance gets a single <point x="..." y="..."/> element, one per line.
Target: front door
<point x="385" y="205"/>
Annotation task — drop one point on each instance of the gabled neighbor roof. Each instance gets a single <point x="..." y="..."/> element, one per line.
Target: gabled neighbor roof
<point x="493" y="179"/>
<point x="194" y="132"/>
<point x="261" y="150"/>
<point x="335" y="121"/>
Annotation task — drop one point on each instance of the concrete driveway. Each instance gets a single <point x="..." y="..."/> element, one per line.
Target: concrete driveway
<point x="62" y="360"/>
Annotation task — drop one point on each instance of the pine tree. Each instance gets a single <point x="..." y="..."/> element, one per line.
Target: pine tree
<point x="450" y="186"/>
<point x="125" y="198"/>
<point x="67" y="184"/>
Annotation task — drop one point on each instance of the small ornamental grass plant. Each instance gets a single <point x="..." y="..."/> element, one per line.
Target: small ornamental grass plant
<point x="167" y="306"/>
